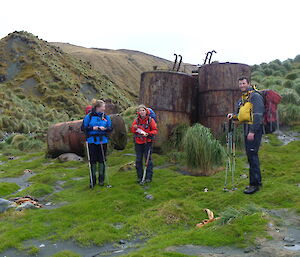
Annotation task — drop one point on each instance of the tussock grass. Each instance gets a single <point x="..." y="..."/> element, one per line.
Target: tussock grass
<point x="203" y="152"/>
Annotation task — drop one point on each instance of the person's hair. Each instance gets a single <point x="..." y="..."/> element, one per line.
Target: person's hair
<point x="97" y="103"/>
<point x="141" y="106"/>
<point x="244" y="78"/>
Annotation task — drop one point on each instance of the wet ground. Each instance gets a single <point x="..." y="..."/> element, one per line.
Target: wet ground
<point x="22" y="181"/>
<point x="47" y="248"/>
<point x="285" y="242"/>
<point x="287" y="136"/>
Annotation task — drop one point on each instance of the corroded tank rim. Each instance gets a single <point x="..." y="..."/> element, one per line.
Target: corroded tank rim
<point x="168" y="72"/>
<point x="222" y="63"/>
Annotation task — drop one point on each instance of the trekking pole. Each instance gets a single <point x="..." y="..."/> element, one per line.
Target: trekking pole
<point x="229" y="154"/>
<point x="146" y="165"/>
<point x="106" y="171"/>
<point x="233" y="158"/>
<point x="90" y="168"/>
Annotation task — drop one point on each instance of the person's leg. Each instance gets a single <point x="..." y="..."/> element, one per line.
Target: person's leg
<point x="101" y="167"/>
<point x="252" y="148"/>
<point x="139" y="150"/>
<point x="149" y="171"/>
<point x="252" y="154"/>
<point x="93" y="163"/>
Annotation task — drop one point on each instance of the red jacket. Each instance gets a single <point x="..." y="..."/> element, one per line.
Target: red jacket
<point x="148" y="125"/>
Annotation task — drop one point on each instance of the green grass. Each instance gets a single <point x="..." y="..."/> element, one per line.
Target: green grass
<point x="88" y="216"/>
<point x="7" y="188"/>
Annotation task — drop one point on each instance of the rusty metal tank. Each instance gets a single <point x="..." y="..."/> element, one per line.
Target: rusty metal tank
<point x="172" y="95"/>
<point x="67" y="137"/>
<point x="219" y="92"/>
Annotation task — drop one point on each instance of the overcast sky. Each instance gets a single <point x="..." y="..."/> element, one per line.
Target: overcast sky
<point x="240" y="31"/>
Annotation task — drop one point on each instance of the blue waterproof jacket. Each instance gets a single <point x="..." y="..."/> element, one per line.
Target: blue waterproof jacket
<point x="97" y="119"/>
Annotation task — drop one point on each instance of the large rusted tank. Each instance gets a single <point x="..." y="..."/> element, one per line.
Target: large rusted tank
<point x="172" y="95"/>
<point x="67" y="137"/>
<point x="219" y="92"/>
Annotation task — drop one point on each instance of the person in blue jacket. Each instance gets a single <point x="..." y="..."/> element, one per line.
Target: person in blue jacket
<point x="97" y="125"/>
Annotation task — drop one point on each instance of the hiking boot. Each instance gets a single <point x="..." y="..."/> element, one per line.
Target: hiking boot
<point x="148" y="180"/>
<point x="138" y="181"/>
<point x="101" y="183"/>
<point x="251" y="190"/>
<point x="259" y="184"/>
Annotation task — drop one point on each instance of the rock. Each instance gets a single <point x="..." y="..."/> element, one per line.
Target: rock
<point x="4" y="205"/>
<point x="128" y="166"/>
<point x="289" y="239"/>
<point x="149" y="197"/>
<point x="66" y="157"/>
<point x="26" y="205"/>
<point x="243" y="176"/>
<point x="249" y="250"/>
<point x="122" y="242"/>
<point x="11" y="158"/>
<point x="205" y="190"/>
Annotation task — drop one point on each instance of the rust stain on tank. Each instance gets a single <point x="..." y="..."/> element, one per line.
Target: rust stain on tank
<point x="218" y="92"/>
<point x="172" y="95"/>
<point x="65" y="137"/>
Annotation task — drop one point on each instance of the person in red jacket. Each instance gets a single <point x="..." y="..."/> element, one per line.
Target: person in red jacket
<point x="144" y="129"/>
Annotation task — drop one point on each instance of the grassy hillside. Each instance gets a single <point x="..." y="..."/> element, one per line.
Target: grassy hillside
<point x="40" y="84"/>
<point x="124" y="67"/>
<point x="283" y="77"/>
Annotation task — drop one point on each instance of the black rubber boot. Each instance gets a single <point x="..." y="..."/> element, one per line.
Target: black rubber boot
<point x="93" y="175"/>
<point x="101" y="169"/>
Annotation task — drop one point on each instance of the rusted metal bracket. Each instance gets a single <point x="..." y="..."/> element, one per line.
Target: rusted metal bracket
<point x="175" y="62"/>
<point x="208" y="57"/>
<point x="180" y="61"/>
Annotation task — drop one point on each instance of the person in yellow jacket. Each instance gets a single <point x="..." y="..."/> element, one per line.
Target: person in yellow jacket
<point x="250" y="111"/>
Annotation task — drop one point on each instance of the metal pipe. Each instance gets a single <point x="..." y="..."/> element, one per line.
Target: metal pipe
<point x="175" y="62"/>
<point x="179" y="62"/>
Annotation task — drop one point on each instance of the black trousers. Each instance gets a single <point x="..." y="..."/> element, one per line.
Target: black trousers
<point x="141" y="151"/>
<point x="252" y="148"/>
<point x="95" y="152"/>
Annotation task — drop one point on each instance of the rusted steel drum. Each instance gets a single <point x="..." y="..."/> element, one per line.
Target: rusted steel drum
<point x="172" y="95"/>
<point x="67" y="137"/>
<point x="219" y="92"/>
<point x="111" y="107"/>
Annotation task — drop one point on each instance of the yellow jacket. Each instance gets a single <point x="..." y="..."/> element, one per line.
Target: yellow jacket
<point x="245" y="114"/>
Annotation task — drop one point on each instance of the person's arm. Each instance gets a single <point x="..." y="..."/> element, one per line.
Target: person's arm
<point x="153" y="128"/>
<point x="134" y="126"/>
<point x="109" y="127"/>
<point x="258" y="111"/>
<point x="86" y="122"/>
<point x="235" y="114"/>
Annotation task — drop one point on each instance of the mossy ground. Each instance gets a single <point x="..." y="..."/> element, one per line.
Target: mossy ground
<point x="88" y="216"/>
